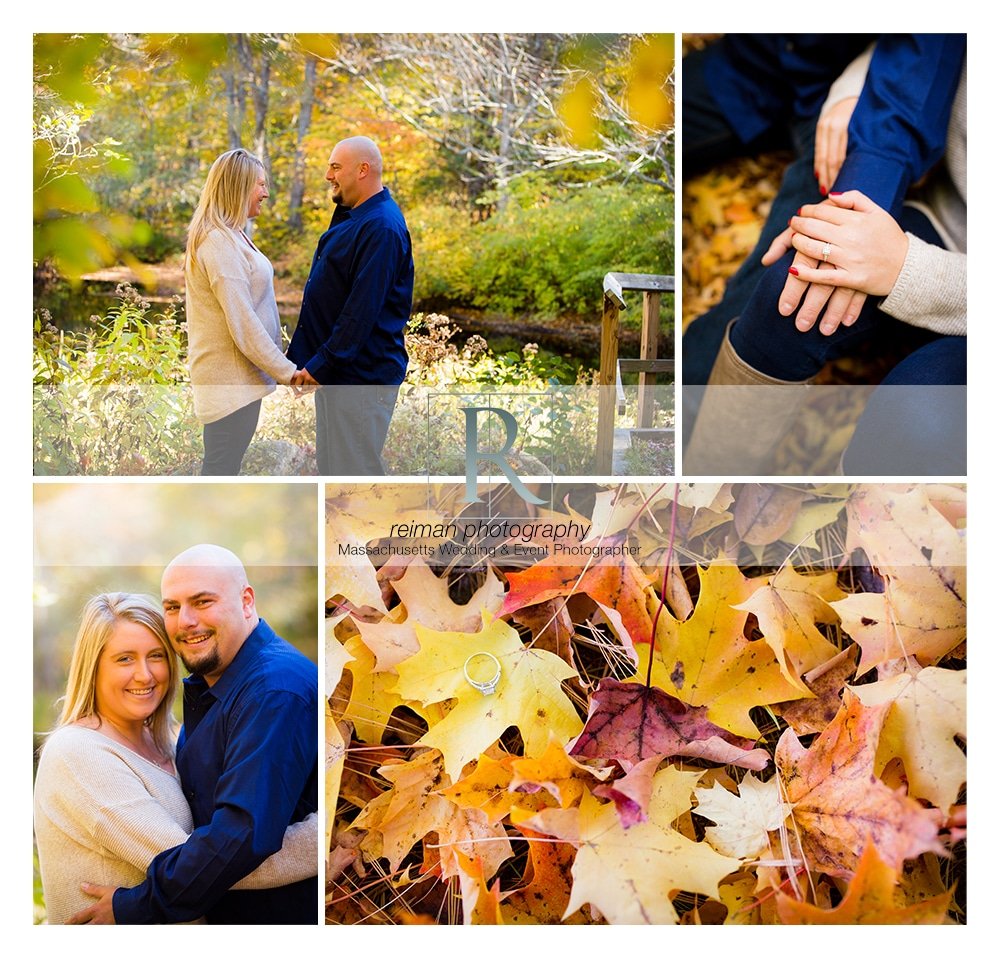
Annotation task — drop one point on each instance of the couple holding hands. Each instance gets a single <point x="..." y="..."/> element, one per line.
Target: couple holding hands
<point x="865" y="242"/>
<point x="349" y="337"/>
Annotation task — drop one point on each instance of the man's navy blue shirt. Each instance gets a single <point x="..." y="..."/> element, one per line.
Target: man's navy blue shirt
<point x="357" y="300"/>
<point x="247" y="757"/>
<point x="899" y="126"/>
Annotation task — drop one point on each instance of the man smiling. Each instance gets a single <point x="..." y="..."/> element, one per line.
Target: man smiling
<point x="246" y="756"/>
<point x="355" y="307"/>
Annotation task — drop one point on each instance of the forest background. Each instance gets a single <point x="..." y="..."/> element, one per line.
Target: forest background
<point x="527" y="165"/>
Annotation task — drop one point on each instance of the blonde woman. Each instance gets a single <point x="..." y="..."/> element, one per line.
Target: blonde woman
<point x="107" y="796"/>
<point x="234" y="334"/>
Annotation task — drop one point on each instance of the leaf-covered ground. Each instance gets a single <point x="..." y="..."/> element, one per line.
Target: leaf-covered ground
<point x="756" y="716"/>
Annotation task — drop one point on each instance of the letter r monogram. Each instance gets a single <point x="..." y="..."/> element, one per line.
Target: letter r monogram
<point x="473" y="455"/>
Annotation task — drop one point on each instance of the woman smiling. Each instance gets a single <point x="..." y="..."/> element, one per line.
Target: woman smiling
<point x="107" y="798"/>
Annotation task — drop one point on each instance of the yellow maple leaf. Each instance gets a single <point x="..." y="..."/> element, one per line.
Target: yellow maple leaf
<point x="424" y="598"/>
<point x="921" y="556"/>
<point x="787" y="609"/>
<point x="528" y="696"/>
<point x="630" y="875"/>
<point x="403" y="815"/>
<point x="557" y="773"/>
<point x="706" y="660"/>
<point x="488" y="788"/>
<point x="927" y="711"/>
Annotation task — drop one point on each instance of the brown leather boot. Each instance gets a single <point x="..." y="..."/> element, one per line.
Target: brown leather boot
<point x="743" y="414"/>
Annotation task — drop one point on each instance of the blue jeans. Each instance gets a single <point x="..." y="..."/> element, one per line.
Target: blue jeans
<point x="351" y="425"/>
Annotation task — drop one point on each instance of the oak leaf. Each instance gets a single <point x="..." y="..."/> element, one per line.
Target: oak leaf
<point x="838" y="802"/>
<point x="870" y="900"/>
<point x="529" y="694"/>
<point x="707" y="661"/>
<point x="629" y="875"/>
<point x="629" y="722"/>
<point x="927" y="711"/>
<point x="743" y="820"/>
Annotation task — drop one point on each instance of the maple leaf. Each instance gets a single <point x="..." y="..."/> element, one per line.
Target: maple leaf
<point x="529" y="695"/>
<point x="839" y="803"/>
<point x="927" y="711"/>
<point x="480" y="904"/>
<point x="551" y="628"/>
<point x="628" y="722"/>
<point x="542" y="900"/>
<point x="424" y="598"/>
<point x="743" y="820"/>
<point x="763" y="512"/>
<point x="870" y="900"/>
<point x="615" y="583"/>
<point x="408" y="811"/>
<point x="921" y="557"/>
<point x="707" y="661"/>
<point x="630" y="874"/>
<point x="558" y="773"/>
<point x="336" y="749"/>
<point x="807" y="716"/>
<point x="633" y="792"/>
<point x="489" y="788"/>
<point x="371" y="702"/>
<point x="787" y="609"/>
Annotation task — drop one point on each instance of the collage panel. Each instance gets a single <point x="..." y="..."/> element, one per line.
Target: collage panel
<point x="352" y="254"/>
<point x="824" y="234"/>
<point x="646" y="704"/>
<point x="175" y="802"/>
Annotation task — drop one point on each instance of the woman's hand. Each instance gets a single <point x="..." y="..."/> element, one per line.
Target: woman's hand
<point x="862" y="241"/>
<point x="831" y="142"/>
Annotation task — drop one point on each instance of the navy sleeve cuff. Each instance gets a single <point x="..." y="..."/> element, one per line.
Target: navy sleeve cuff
<point x="882" y="179"/>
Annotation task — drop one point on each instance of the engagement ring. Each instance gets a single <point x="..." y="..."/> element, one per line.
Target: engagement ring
<point x="826" y="250"/>
<point x="490" y="685"/>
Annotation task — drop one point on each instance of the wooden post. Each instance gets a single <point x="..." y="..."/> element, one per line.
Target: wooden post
<point x="606" y="392"/>
<point x="647" y="350"/>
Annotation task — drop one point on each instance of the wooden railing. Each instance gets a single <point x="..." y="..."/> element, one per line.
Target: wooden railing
<point x="647" y="365"/>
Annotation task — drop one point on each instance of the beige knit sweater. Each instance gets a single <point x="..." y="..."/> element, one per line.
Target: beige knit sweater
<point x="103" y="812"/>
<point x="234" y="334"/>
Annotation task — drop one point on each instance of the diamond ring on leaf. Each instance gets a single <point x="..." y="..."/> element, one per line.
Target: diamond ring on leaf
<point x="490" y="685"/>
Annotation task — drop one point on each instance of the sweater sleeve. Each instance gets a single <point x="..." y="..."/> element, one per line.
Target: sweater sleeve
<point x="226" y="270"/>
<point x="930" y="290"/>
<point x="295" y="861"/>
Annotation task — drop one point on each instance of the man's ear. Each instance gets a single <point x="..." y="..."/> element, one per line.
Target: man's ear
<point x="249" y="604"/>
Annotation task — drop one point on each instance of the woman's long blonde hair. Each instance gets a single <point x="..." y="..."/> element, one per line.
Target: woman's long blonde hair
<point x="100" y="616"/>
<point x="225" y="198"/>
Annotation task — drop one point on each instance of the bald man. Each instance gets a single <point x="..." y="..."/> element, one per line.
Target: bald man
<point x="246" y="756"/>
<point x="355" y="307"/>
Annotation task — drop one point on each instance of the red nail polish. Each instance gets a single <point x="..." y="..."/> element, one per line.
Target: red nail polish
<point x="793" y="271"/>
<point x="798" y="212"/>
<point x="837" y="193"/>
<point x="816" y="174"/>
<point x="822" y="190"/>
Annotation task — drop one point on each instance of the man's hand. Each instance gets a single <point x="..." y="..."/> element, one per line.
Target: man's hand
<point x="101" y="912"/>
<point x="302" y="381"/>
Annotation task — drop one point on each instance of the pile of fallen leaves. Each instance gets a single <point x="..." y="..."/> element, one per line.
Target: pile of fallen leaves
<point x="758" y="718"/>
